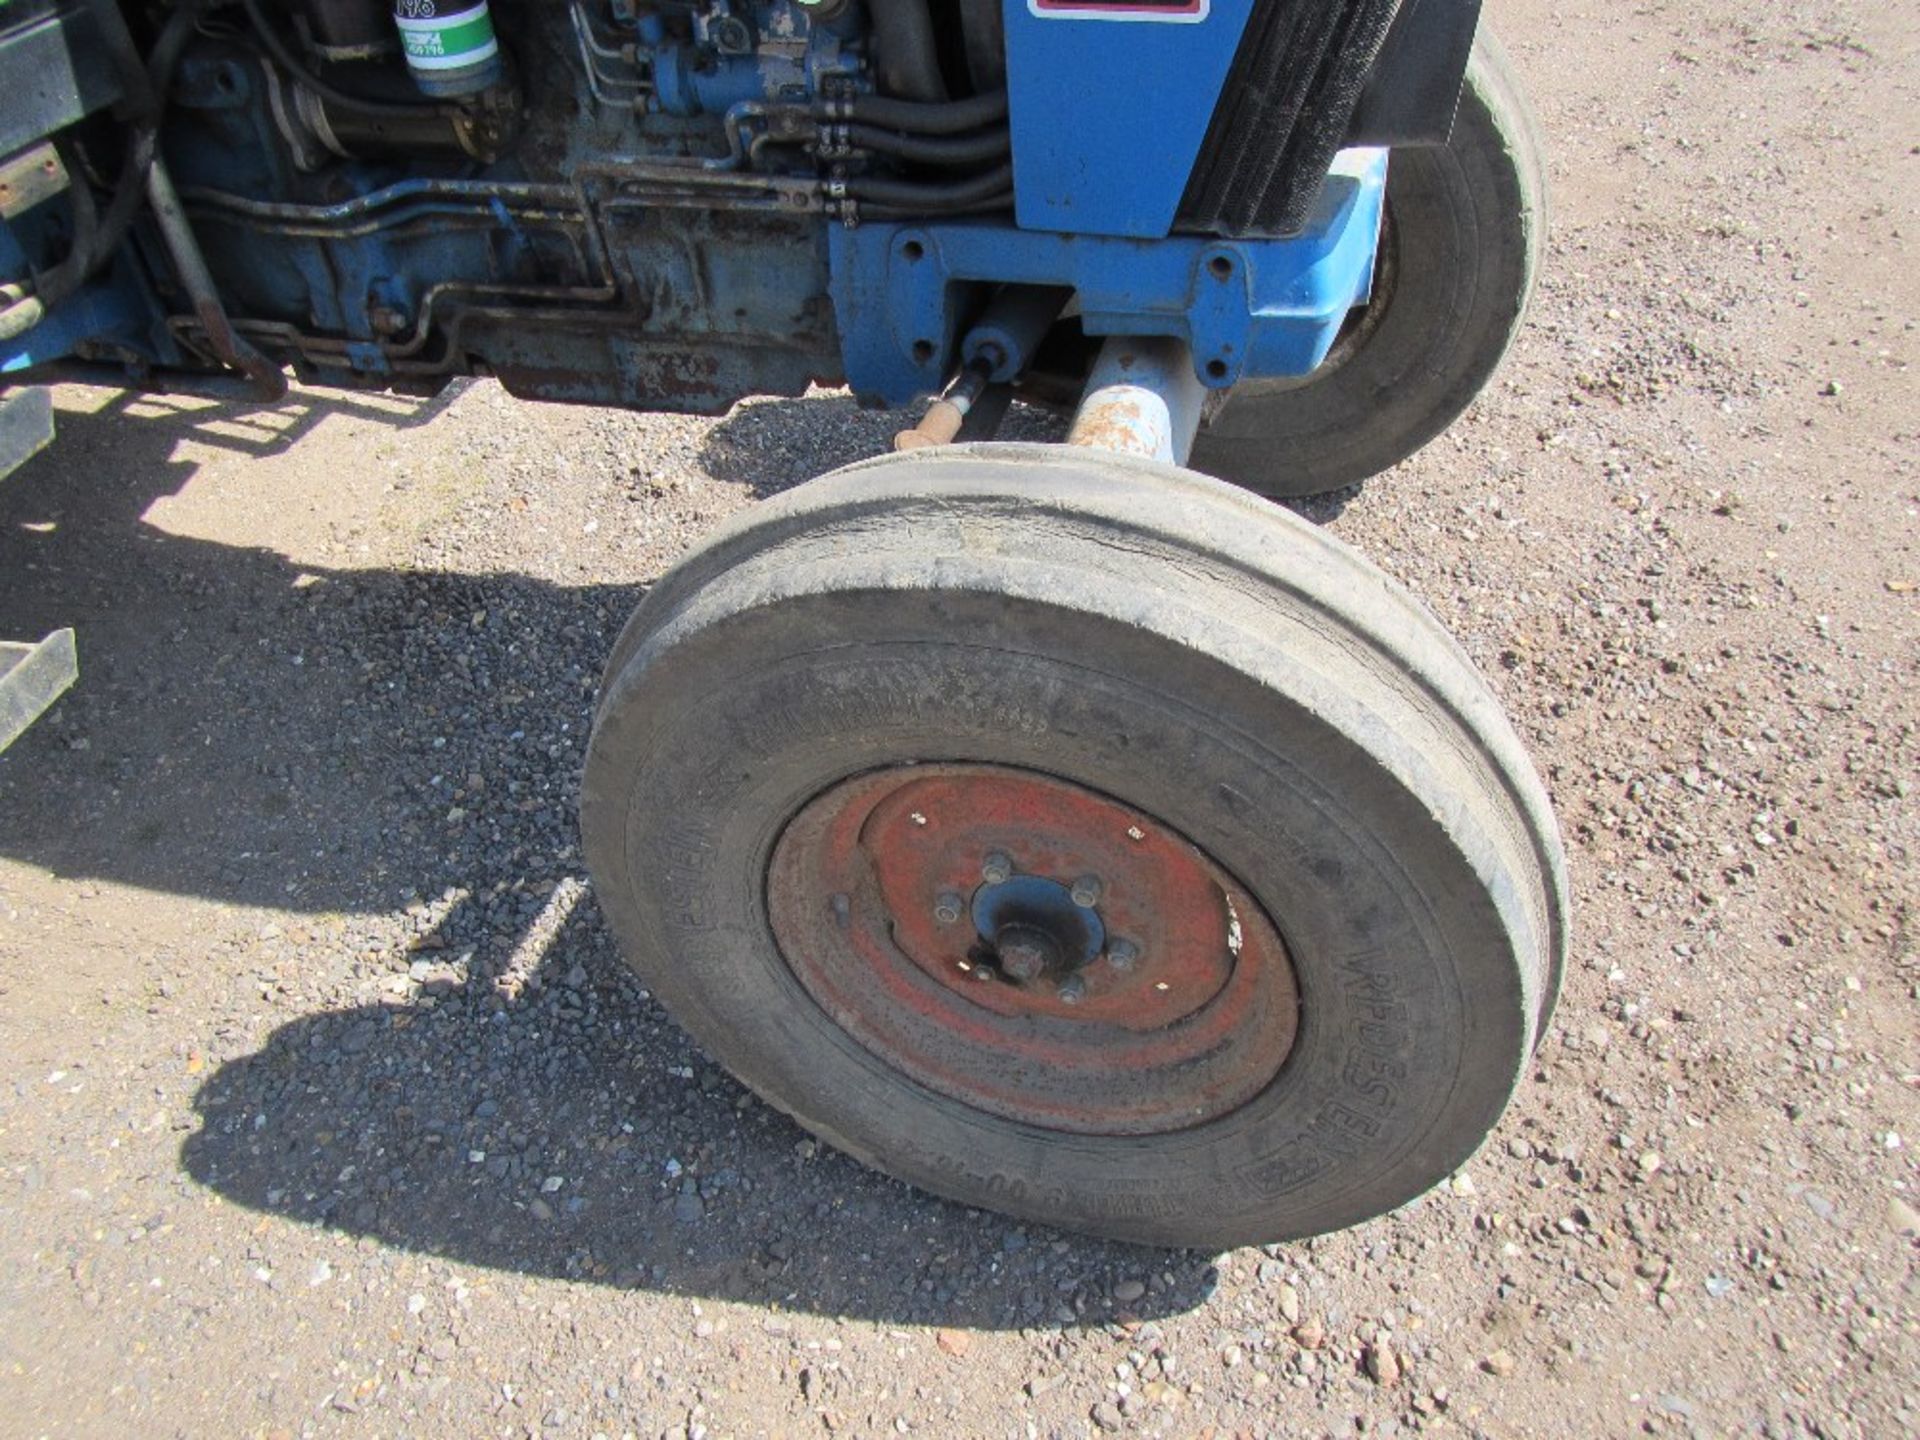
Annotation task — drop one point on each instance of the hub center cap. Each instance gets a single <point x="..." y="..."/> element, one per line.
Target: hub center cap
<point x="1032" y="948"/>
<point x="1034" y="931"/>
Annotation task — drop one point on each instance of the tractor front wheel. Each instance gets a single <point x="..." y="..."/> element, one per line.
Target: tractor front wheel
<point x="1079" y="838"/>
<point x="1460" y="247"/>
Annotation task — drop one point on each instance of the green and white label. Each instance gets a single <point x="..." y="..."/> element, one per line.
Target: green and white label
<point x="445" y="42"/>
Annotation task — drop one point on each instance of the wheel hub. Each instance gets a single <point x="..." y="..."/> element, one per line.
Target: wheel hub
<point x="1033" y="931"/>
<point x="1033" y="948"/>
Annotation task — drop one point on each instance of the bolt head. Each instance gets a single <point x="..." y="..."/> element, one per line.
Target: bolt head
<point x="1086" y="891"/>
<point x="1023" y="959"/>
<point x="1073" y="990"/>
<point x="996" y="869"/>
<point x="1122" y="954"/>
<point x="947" y="909"/>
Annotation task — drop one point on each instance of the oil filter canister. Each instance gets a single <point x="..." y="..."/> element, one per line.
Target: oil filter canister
<point x="450" y="46"/>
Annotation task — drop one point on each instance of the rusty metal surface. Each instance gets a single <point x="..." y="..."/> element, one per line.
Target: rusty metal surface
<point x="28" y="179"/>
<point x="1196" y="1018"/>
<point x="939" y="426"/>
<point x="266" y="378"/>
<point x="1142" y="399"/>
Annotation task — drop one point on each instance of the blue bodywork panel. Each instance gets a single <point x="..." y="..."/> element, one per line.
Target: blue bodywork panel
<point x="1246" y="307"/>
<point x="629" y="255"/>
<point x="1111" y="106"/>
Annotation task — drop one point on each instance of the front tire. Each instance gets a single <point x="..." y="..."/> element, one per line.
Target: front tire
<point x="1207" y="722"/>
<point x="1464" y="234"/>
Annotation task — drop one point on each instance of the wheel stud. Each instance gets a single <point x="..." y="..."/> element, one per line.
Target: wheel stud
<point x="1086" y="891"/>
<point x="1121" y="954"/>
<point x="1072" y="990"/>
<point x="947" y="908"/>
<point x="996" y="869"/>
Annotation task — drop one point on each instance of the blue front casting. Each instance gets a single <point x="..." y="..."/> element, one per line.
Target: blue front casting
<point x="1248" y="308"/>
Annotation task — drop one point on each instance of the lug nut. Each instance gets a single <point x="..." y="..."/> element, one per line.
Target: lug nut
<point x="947" y="908"/>
<point x="997" y="869"/>
<point x="1086" y="891"/>
<point x="1073" y="990"/>
<point x="1121" y="954"/>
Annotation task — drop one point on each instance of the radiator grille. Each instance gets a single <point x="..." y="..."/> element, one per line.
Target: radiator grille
<point x="1288" y="104"/>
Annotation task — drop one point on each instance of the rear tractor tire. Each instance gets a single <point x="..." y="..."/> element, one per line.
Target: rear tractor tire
<point x="1079" y="838"/>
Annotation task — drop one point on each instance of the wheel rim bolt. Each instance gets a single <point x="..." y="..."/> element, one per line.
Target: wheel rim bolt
<point x="1073" y="990"/>
<point x="1121" y="954"/>
<point x="947" y="908"/>
<point x="1086" y="891"/>
<point x="997" y="869"/>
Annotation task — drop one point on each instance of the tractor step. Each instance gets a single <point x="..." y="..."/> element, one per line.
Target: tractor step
<point x="26" y="426"/>
<point x="32" y="677"/>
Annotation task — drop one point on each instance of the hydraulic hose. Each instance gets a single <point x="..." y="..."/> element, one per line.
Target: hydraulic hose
<point x="907" y="59"/>
<point x="927" y="197"/>
<point x="983" y="25"/>
<point x="932" y="149"/>
<point x="952" y="117"/>
<point x="95" y="237"/>
<point x="63" y="279"/>
<point x="143" y="143"/>
<point x="991" y="205"/>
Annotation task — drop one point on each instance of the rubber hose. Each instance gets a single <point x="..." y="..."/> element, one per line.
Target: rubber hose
<point x="907" y="61"/>
<point x="954" y="117"/>
<point x="983" y="24"/>
<point x="933" y="149"/>
<point x="61" y="280"/>
<point x="130" y="189"/>
<point x="931" y="196"/>
<point x="993" y="204"/>
<point x="96" y="238"/>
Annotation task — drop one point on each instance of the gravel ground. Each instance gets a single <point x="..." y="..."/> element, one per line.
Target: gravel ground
<point x="327" y="1108"/>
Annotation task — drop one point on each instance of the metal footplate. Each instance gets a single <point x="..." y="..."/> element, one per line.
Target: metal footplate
<point x="32" y="677"/>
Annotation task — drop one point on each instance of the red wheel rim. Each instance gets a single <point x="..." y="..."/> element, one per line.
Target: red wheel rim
<point x="1164" y="995"/>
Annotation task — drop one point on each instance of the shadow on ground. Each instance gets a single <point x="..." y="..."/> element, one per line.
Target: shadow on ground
<point x="773" y="445"/>
<point x="251" y="732"/>
<point x="561" y="1126"/>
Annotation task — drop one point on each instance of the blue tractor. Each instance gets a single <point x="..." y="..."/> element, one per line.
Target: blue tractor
<point x="1067" y="829"/>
